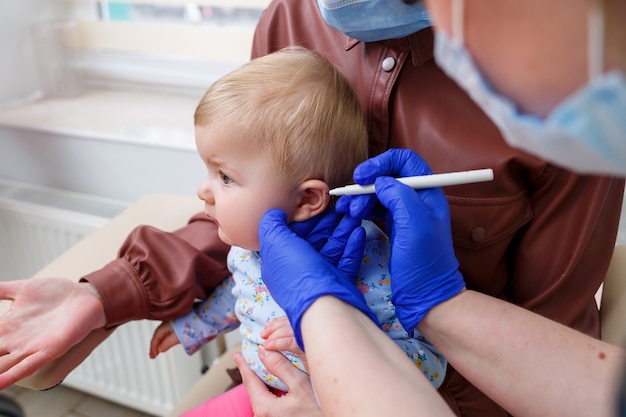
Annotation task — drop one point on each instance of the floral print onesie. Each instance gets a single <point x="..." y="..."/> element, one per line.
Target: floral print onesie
<point x="243" y="301"/>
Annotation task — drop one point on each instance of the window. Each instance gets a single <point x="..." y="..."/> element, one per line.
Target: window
<point x="174" y="45"/>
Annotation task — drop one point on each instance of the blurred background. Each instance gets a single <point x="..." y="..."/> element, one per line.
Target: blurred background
<point x="96" y="112"/>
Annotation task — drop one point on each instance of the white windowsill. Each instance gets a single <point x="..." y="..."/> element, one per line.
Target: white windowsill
<point x="149" y="119"/>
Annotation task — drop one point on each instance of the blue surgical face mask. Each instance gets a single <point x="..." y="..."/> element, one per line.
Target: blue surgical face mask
<point x="585" y="133"/>
<point x="374" y="20"/>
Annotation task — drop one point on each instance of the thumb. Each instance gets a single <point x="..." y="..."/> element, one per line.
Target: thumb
<point x="399" y="198"/>
<point x="254" y="385"/>
<point x="336" y="244"/>
<point x="273" y="224"/>
<point x="9" y="289"/>
<point x="278" y="364"/>
<point x="393" y="162"/>
<point x="352" y="257"/>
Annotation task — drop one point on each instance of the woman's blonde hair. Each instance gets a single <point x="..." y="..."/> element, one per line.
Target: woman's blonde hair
<point x="299" y="107"/>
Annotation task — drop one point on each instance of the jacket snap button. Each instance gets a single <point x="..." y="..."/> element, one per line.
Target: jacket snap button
<point x="388" y="64"/>
<point x="478" y="234"/>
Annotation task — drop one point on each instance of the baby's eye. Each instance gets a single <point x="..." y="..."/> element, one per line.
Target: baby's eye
<point x="225" y="178"/>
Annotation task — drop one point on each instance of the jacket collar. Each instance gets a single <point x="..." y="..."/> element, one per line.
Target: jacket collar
<point x="420" y="43"/>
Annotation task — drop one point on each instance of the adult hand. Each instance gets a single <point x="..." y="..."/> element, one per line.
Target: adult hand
<point x="424" y="270"/>
<point x="47" y="317"/>
<point x="296" y="274"/>
<point x="299" y="401"/>
<point x="317" y="229"/>
<point x="329" y="233"/>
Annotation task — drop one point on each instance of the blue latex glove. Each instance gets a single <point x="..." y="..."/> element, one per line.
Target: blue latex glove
<point x="297" y="275"/>
<point x="317" y="229"/>
<point x="424" y="270"/>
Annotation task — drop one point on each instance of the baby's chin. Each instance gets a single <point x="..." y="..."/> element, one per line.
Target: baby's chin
<point x="254" y="246"/>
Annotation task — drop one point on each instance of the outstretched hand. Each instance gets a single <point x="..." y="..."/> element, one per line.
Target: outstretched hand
<point x="46" y="318"/>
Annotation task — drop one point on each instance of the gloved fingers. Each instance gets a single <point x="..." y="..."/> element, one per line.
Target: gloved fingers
<point x="360" y="206"/>
<point x="275" y="236"/>
<point x="273" y="227"/>
<point x="393" y="162"/>
<point x="402" y="201"/>
<point x="336" y="244"/>
<point x="352" y="257"/>
<point x="297" y="275"/>
<point x="317" y="229"/>
<point x="398" y="197"/>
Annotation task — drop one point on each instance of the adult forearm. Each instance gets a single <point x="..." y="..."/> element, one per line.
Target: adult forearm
<point x="158" y="274"/>
<point x="528" y="364"/>
<point x="367" y="362"/>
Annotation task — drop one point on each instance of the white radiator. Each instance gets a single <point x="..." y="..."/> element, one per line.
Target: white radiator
<point x="36" y="226"/>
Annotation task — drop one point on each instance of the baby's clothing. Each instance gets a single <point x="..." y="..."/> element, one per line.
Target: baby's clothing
<point x="244" y="301"/>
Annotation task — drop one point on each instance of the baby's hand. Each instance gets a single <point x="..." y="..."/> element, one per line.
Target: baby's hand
<point x="278" y="335"/>
<point x="163" y="338"/>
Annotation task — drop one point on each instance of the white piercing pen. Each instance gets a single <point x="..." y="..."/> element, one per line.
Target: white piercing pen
<point x="423" y="181"/>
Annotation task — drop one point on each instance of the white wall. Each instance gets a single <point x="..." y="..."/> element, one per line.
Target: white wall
<point x="122" y="171"/>
<point x="19" y="78"/>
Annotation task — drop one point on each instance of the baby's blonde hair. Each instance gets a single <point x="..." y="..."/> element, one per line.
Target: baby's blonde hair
<point x="299" y="107"/>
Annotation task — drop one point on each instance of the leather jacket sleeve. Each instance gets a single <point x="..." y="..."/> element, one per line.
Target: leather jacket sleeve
<point x="158" y="274"/>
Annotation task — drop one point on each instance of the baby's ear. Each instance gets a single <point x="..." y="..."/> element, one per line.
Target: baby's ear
<point x="313" y="198"/>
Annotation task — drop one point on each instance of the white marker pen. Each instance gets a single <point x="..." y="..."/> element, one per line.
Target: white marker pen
<point x="423" y="181"/>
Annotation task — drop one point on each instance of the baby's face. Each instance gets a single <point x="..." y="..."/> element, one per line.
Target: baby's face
<point x="240" y="186"/>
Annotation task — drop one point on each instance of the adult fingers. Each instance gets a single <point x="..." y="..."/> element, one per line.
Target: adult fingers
<point x="352" y="256"/>
<point x="359" y="206"/>
<point x="273" y="223"/>
<point x="317" y="229"/>
<point x="9" y="289"/>
<point x="277" y="364"/>
<point x="258" y="391"/>
<point x="393" y="162"/>
<point x="402" y="199"/>
<point x="16" y="367"/>
<point x="335" y="247"/>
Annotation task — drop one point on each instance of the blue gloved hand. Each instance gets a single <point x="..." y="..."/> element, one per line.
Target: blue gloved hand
<point x="424" y="270"/>
<point x="317" y="229"/>
<point x="297" y="275"/>
<point x="329" y="234"/>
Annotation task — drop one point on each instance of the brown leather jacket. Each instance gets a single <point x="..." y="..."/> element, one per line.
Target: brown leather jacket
<point x="537" y="235"/>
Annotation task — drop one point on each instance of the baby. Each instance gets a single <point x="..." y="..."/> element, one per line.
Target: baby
<point x="279" y="132"/>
